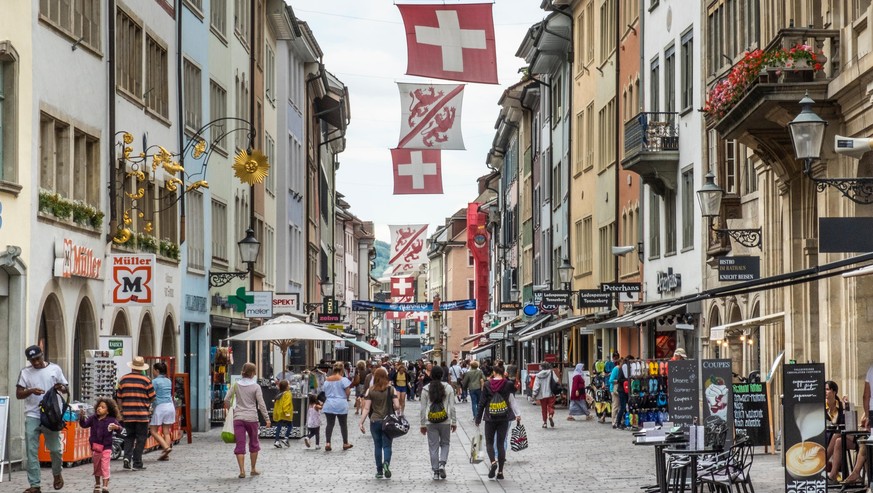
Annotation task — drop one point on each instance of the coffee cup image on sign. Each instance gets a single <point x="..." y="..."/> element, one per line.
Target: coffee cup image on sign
<point x="716" y="396"/>
<point x="806" y="459"/>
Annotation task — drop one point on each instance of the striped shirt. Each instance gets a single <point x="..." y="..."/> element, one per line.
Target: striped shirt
<point x="135" y="395"/>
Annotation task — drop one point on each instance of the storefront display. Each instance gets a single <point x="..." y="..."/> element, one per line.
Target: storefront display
<point x="647" y="393"/>
<point x="221" y="358"/>
<point x="99" y="376"/>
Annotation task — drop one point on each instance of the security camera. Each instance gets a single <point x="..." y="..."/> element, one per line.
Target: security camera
<point x="852" y="147"/>
<point x="621" y="251"/>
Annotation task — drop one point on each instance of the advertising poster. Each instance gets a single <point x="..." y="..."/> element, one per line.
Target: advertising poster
<point x="804" y="422"/>
<point x="752" y="413"/>
<point x="717" y="402"/>
<point x="684" y="392"/>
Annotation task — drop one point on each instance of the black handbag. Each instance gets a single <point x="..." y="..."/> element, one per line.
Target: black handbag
<point x="394" y="425"/>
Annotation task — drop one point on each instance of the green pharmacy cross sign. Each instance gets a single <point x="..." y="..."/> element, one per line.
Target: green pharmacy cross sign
<point x="240" y="300"/>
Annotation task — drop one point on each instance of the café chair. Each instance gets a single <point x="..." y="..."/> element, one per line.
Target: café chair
<point x="733" y="472"/>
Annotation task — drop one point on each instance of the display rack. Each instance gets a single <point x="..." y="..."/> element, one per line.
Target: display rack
<point x="98" y="377"/>
<point x="647" y="393"/>
<point x="221" y="360"/>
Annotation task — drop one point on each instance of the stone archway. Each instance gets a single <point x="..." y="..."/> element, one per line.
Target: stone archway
<point x="715" y="347"/>
<point x="168" y="338"/>
<point x="51" y="331"/>
<point x="84" y="338"/>
<point x="146" y="344"/>
<point x="120" y="326"/>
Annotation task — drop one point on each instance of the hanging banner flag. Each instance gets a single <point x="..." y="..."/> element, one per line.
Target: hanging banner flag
<point x="427" y="307"/>
<point x="417" y="172"/>
<point x="407" y="245"/>
<point x="402" y="286"/>
<point x="454" y="42"/>
<point x="431" y="116"/>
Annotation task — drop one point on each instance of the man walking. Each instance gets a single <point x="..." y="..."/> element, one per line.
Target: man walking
<point x="34" y="381"/>
<point x="613" y="383"/>
<point x="455" y="379"/>
<point x="135" y="395"/>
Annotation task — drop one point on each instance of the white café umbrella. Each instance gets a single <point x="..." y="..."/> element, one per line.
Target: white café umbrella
<point x="285" y="330"/>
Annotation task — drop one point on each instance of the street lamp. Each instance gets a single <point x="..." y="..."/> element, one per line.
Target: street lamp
<point x="249" y="248"/>
<point x="710" y="207"/>
<point x="807" y="135"/>
<point x="565" y="273"/>
<point x="513" y="293"/>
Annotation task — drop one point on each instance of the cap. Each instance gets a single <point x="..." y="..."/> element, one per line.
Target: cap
<point x="680" y="352"/>
<point x="33" y="352"/>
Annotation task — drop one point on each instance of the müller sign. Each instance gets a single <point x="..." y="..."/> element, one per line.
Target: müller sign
<point x="76" y="260"/>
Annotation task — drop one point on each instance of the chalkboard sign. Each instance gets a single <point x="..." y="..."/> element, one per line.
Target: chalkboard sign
<point x="804" y="422"/>
<point x="752" y="413"/>
<point x="717" y="402"/>
<point x="684" y="392"/>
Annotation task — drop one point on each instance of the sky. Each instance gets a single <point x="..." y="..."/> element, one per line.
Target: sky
<point x="364" y="45"/>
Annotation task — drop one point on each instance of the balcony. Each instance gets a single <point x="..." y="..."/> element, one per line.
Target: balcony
<point x="651" y="149"/>
<point x="759" y="117"/>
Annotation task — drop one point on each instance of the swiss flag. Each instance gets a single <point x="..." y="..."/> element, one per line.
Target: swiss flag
<point x="402" y="286"/>
<point x="454" y="42"/>
<point x="417" y="172"/>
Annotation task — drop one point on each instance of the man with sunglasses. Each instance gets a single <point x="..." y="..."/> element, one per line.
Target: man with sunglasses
<point x="34" y="381"/>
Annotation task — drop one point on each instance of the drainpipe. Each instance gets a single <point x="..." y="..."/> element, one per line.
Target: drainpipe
<point x="252" y="116"/>
<point x="113" y="163"/>
<point x="617" y="135"/>
<point x="181" y="115"/>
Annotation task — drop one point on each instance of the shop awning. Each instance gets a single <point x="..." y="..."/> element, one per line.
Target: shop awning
<point x="471" y="339"/>
<point x="717" y="333"/>
<point x="364" y="346"/>
<point x="636" y="317"/>
<point x="486" y="347"/>
<point x="559" y="325"/>
<point x="534" y="325"/>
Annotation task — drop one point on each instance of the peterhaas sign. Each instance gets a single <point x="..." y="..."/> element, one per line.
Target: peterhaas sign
<point x="133" y="279"/>
<point x="627" y="291"/>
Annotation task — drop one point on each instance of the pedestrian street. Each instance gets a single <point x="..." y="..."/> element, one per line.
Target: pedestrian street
<point x="574" y="456"/>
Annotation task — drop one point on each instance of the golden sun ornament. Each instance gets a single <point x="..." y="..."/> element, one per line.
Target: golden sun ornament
<point x="251" y="168"/>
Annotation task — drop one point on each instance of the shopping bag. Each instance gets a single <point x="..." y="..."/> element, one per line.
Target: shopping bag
<point x="395" y="425"/>
<point x="227" y="434"/>
<point x="476" y="446"/>
<point x="519" y="438"/>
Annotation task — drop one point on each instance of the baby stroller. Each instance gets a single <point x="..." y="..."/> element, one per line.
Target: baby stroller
<point x="602" y="399"/>
<point x="118" y="443"/>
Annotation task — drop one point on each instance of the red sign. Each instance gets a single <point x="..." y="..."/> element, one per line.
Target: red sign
<point x="374" y="343"/>
<point x="550" y="357"/>
<point x="402" y="286"/>
<point x="417" y="172"/>
<point x="454" y="42"/>
<point x="76" y="260"/>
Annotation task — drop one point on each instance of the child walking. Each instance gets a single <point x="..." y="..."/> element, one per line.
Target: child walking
<point x="283" y="413"/>
<point x="103" y="422"/>
<point x="313" y="421"/>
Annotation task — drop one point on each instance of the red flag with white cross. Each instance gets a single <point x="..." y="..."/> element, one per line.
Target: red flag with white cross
<point x="454" y="42"/>
<point x="417" y="172"/>
<point x="402" y="286"/>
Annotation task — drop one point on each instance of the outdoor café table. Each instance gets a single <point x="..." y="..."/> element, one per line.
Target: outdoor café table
<point x="693" y="454"/>
<point x="659" y="443"/>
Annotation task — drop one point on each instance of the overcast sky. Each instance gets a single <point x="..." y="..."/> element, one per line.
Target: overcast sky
<point x="364" y="45"/>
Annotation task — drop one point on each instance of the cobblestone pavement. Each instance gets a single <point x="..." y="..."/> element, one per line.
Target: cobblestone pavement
<point x="574" y="456"/>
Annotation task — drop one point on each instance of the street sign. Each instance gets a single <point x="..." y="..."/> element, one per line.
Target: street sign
<point x="740" y="268"/>
<point x="261" y="305"/>
<point x="374" y="343"/>
<point x="284" y="303"/>
<point x="510" y="305"/>
<point x="549" y="301"/>
<point x="594" y="298"/>
<point x="328" y="318"/>
<point x="530" y="310"/>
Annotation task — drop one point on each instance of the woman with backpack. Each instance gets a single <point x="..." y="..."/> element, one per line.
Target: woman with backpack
<point x="545" y="389"/>
<point x="380" y="401"/>
<point x="438" y="420"/>
<point x="498" y="409"/>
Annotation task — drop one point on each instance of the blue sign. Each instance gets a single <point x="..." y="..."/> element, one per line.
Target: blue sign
<point x="530" y="310"/>
<point x="376" y="306"/>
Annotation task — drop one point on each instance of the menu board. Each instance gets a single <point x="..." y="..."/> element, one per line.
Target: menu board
<point x="684" y="392"/>
<point x="752" y="413"/>
<point x="804" y="421"/>
<point x="717" y="418"/>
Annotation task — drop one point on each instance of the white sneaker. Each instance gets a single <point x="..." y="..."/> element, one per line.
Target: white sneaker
<point x="318" y="447"/>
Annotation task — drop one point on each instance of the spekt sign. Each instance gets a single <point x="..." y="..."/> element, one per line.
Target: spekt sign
<point x="73" y="260"/>
<point x="285" y="303"/>
<point x="132" y="279"/>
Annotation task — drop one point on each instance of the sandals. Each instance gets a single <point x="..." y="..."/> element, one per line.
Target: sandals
<point x="347" y="446"/>
<point x="241" y="475"/>
<point x="255" y="472"/>
<point x="59" y="482"/>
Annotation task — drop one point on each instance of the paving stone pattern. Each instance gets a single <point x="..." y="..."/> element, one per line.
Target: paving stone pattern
<point x="574" y="456"/>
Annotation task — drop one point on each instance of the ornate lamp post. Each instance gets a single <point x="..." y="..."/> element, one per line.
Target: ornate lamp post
<point x="249" y="248"/>
<point x="710" y="207"/>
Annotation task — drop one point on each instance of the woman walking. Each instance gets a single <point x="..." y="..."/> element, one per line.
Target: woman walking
<point x="578" y="395"/>
<point x="400" y="378"/>
<point x="337" y="389"/>
<point x="249" y="401"/>
<point x="542" y="391"/>
<point x="358" y="382"/>
<point x="438" y="420"/>
<point x="165" y="410"/>
<point x="379" y="402"/>
<point x="498" y="408"/>
<point x="472" y="382"/>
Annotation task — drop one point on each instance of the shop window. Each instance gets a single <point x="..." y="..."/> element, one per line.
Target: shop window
<point x="128" y="48"/>
<point x="193" y="102"/>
